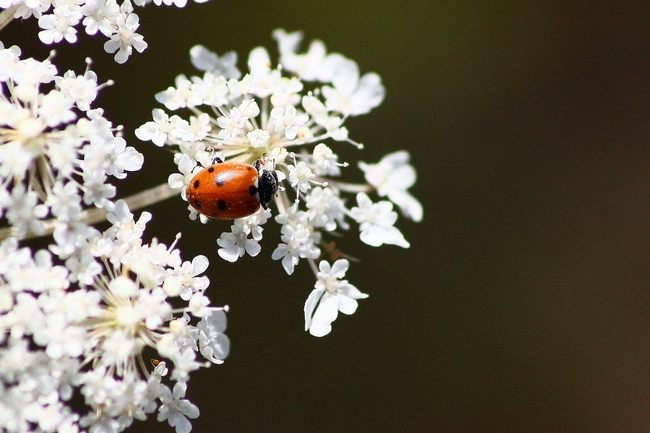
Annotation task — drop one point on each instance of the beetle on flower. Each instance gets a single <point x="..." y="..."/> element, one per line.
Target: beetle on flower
<point x="286" y="119"/>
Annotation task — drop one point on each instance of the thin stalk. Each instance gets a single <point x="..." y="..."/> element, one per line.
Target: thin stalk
<point x="7" y="15"/>
<point x="94" y="215"/>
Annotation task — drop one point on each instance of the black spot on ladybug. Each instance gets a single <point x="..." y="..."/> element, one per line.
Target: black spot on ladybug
<point x="197" y="203"/>
<point x="222" y="205"/>
<point x="196" y="184"/>
<point x="220" y="180"/>
<point x="252" y="190"/>
<point x="210" y="169"/>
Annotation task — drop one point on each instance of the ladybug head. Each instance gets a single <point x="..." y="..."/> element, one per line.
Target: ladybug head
<point x="267" y="184"/>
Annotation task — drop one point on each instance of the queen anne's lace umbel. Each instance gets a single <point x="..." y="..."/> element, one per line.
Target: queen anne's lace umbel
<point x="57" y="154"/>
<point x="76" y="318"/>
<point x="60" y="19"/>
<point x="120" y="323"/>
<point x="59" y="339"/>
<point x="289" y="117"/>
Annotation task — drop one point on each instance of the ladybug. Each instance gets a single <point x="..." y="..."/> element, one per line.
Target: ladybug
<point x="231" y="190"/>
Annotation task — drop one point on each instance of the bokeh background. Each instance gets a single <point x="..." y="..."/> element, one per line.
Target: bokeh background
<point x="522" y="304"/>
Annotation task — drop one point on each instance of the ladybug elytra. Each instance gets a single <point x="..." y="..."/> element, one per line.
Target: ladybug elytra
<point x="231" y="190"/>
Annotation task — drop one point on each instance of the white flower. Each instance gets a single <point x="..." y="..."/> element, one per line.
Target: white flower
<point x="184" y="281"/>
<point x="125" y="229"/>
<point x="376" y="222"/>
<point x="308" y="66"/>
<point x="186" y="167"/>
<point x="331" y="295"/>
<point x="300" y="176"/>
<point x="99" y="14"/>
<point x="211" y="90"/>
<point x="55" y="108"/>
<point x="118" y="348"/>
<point x="160" y="129"/>
<point x="9" y="59"/>
<point x="82" y="89"/>
<point x="326" y="161"/>
<point x="213" y="343"/>
<point x="287" y="121"/>
<point x="24" y="212"/>
<point x="176" y="410"/>
<point x="65" y="202"/>
<point x="259" y="138"/>
<point x="125" y="39"/>
<point x="325" y="209"/>
<point x="236" y="243"/>
<point x="262" y="80"/>
<point x="177" y="3"/>
<point x="232" y="124"/>
<point x="180" y="96"/>
<point x="14" y="160"/>
<point x="206" y="60"/>
<point x="58" y="25"/>
<point x="249" y="108"/>
<point x="59" y="337"/>
<point x="392" y="177"/>
<point x="197" y="153"/>
<point x="31" y="72"/>
<point x="63" y="155"/>
<point x="199" y="305"/>
<point x="350" y="95"/>
<point x="297" y="242"/>
<point x="198" y="128"/>
<point x="122" y="158"/>
<point x="97" y="191"/>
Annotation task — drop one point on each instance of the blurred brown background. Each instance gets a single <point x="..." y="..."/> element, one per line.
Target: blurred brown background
<point x="523" y="303"/>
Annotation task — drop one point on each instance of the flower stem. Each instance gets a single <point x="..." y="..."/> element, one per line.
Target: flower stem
<point x="351" y="187"/>
<point x="7" y="15"/>
<point x="95" y="215"/>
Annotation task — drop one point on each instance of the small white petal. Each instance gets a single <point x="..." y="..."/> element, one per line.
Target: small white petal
<point x="325" y="314"/>
<point x="310" y="305"/>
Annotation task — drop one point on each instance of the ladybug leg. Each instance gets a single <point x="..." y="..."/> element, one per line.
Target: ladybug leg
<point x="217" y="160"/>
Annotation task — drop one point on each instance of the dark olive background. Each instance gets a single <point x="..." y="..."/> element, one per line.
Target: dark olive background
<point x="522" y="304"/>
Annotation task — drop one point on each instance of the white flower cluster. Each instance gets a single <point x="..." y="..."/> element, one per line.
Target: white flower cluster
<point x="59" y="20"/>
<point x="55" y="151"/>
<point x="283" y="116"/>
<point x="77" y="317"/>
<point x="58" y="340"/>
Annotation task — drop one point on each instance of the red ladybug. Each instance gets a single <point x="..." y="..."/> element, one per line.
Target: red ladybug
<point x="231" y="190"/>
